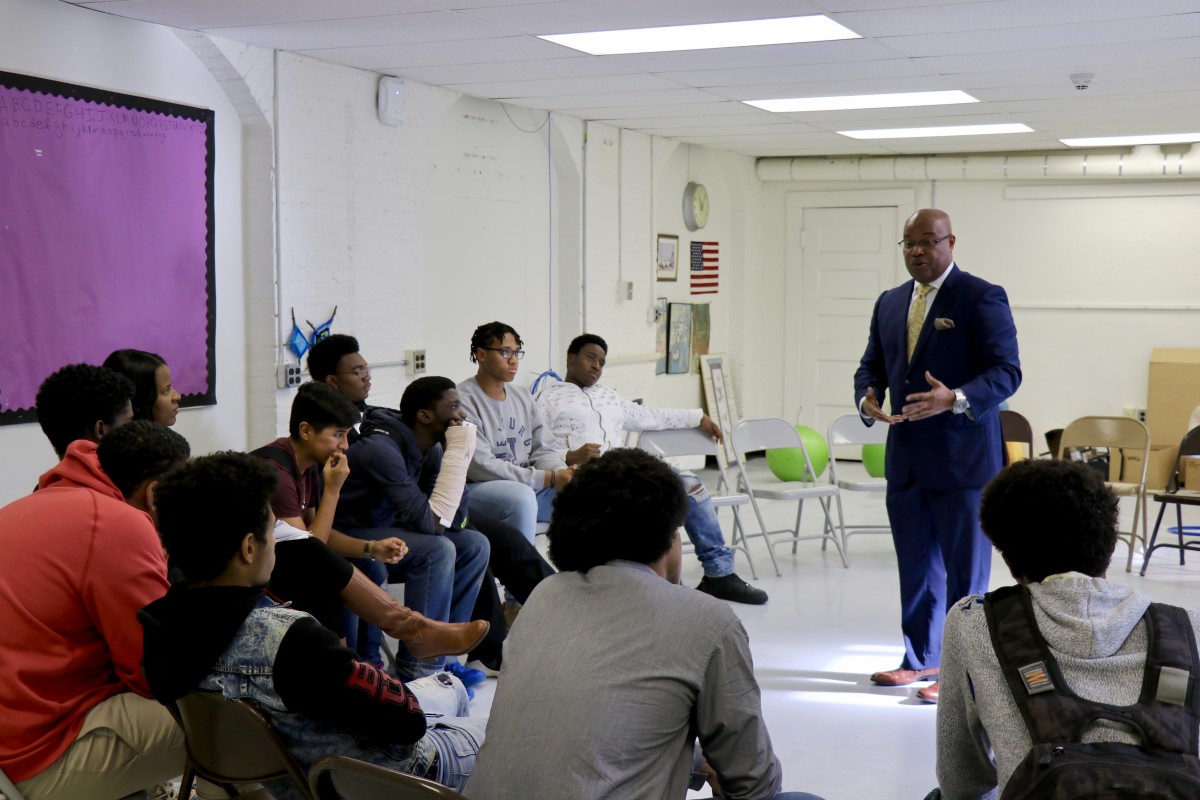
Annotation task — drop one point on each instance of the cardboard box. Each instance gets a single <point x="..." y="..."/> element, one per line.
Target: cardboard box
<point x="1189" y="470"/>
<point x="1172" y="393"/>
<point x="1158" y="470"/>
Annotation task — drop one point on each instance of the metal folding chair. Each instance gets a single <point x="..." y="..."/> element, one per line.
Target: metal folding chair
<point x="230" y="743"/>
<point x="1015" y="428"/>
<point x="1124" y="433"/>
<point x="695" y="442"/>
<point x="1179" y="497"/>
<point x="848" y="429"/>
<point x="753" y="435"/>
<point x="342" y="778"/>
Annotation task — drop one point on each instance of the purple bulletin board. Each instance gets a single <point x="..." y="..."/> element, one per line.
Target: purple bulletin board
<point x="106" y="236"/>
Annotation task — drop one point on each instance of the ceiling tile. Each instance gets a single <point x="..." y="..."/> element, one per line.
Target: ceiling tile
<point x="430" y="26"/>
<point x="235" y="13"/>
<point x="385" y="58"/>
<point x="551" y="87"/>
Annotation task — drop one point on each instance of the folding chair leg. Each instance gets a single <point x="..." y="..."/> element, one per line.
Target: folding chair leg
<point x="831" y="531"/>
<point x="738" y="541"/>
<point x="1150" y="549"/>
<point x="1179" y="530"/>
<point x="762" y="526"/>
<point x="799" y="512"/>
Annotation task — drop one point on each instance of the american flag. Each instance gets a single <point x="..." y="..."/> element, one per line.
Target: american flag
<point x="705" y="263"/>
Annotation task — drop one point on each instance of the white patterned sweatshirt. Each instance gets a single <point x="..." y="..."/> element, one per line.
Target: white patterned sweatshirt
<point x="599" y="415"/>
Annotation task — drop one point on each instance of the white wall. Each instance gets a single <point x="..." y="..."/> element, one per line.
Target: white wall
<point x="1098" y="275"/>
<point x="65" y="43"/>
<point x="470" y="211"/>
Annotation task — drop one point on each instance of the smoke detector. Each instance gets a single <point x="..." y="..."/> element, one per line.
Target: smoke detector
<point x="1081" y="80"/>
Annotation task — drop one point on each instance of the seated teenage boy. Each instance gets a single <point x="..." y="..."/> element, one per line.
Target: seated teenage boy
<point x="437" y="572"/>
<point x="586" y="419"/>
<point x="617" y="714"/>
<point x="409" y="470"/>
<point x="80" y="556"/>
<point x="1055" y="524"/>
<point x="515" y="472"/>
<point x="219" y="631"/>
<point x="311" y="466"/>
<point x="83" y="402"/>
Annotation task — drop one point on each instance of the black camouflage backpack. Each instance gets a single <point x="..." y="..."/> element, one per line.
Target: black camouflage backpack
<point x="1166" y="718"/>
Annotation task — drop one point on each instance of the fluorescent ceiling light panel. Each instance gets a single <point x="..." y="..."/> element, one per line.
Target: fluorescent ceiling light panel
<point x="952" y="130"/>
<point x="843" y="103"/>
<point x="709" y="36"/>
<point x="1117" y="141"/>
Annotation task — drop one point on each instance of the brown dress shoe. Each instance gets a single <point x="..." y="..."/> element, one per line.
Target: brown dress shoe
<point x="930" y="693"/>
<point x="903" y="677"/>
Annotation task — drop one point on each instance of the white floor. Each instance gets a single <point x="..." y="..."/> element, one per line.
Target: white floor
<point x="827" y="628"/>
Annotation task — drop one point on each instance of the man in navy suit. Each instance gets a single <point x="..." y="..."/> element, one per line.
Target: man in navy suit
<point x="945" y="345"/>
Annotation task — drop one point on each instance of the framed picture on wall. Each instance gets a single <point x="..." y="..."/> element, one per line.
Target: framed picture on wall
<point x="660" y="335"/>
<point x="718" y="396"/>
<point x="679" y="339"/>
<point x="668" y="257"/>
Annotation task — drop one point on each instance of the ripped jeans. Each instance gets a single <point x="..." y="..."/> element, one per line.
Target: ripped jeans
<point x="703" y="529"/>
<point x="455" y="736"/>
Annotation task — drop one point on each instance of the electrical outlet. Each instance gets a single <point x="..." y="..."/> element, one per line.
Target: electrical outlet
<point x="1136" y="413"/>
<point x="414" y="362"/>
<point x="289" y="376"/>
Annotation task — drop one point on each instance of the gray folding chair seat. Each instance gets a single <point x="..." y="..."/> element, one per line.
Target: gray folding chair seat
<point x="695" y="442"/>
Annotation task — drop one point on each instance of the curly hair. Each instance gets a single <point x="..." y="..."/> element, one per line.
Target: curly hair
<point x="321" y="406"/>
<point x="72" y="400"/>
<point x="490" y="332"/>
<point x="140" y="451"/>
<point x="140" y="367"/>
<point x="626" y="504"/>
<point x="324" y="356"/>
<point x="584" y="339"/>
<point x="206" y="508"/>
<point x="1048" y="517"/>
<point x="423" y="393"/>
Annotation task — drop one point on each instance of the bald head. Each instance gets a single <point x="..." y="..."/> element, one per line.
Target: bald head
<point x="929" y="248"/>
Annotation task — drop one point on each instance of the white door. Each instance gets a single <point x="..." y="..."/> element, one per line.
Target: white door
<point x="840" y="259"/>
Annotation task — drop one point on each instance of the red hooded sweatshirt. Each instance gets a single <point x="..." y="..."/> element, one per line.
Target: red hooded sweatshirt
<point x="76" y="564"/>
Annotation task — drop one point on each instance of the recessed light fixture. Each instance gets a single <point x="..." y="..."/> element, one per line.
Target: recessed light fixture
<point x="1117" y="141"/>
<point x="845" y="102"/>
<point x="784" y="30"/>
<point x="951" y="130"/>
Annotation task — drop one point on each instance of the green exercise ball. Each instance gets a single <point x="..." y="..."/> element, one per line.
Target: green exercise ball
<point x="872" y="456"/>
<point x="787" y="463"/>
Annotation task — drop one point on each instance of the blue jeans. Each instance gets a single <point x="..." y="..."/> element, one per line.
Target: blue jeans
<point x="512" y="503"/>
<point x="441" y="574"/>
<point x="456" y="737"/>
<point x="703" y="529"/>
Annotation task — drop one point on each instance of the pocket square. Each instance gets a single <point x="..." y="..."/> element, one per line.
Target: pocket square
<point x="943" y="324"/>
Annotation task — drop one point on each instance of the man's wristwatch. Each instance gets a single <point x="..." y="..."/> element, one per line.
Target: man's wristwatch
<point x="960" y="402"/>
<point x="367" y="551"/>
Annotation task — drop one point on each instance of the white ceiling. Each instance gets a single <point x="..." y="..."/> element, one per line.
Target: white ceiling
<point x="1016" y="56"/>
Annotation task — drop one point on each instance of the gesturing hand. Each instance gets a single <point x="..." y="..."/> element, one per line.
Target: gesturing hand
<point x="870" y="408"/>
<point x="923" y="405"/>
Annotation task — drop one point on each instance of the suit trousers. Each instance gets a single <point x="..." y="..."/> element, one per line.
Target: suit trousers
<point x="942" y="555"/>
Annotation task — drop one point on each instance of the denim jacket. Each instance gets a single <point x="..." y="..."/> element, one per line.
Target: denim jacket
<point x="245" y="670"/>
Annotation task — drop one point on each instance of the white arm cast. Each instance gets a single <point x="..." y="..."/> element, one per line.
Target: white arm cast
<point x="448" y="488"/>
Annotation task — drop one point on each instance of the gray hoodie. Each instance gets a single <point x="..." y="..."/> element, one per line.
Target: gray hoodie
<point x="1094" y="630"/>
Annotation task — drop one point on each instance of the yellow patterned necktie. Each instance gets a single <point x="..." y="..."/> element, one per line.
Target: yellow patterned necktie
<point x="916" y="319"/>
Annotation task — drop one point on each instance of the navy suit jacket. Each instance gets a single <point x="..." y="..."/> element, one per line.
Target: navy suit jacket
<point x="976" y="351"/>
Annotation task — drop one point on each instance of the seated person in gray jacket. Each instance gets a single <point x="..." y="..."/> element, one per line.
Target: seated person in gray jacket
<point x="1055" y="524"/>
<point x="663" y="674"/>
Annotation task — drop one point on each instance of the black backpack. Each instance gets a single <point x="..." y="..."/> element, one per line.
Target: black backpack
<point x="1166" y="717"/>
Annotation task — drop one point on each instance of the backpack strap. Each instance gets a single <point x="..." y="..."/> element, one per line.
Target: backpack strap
<point x="1169" y="682"/>
<point x="1167" y="716"/>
